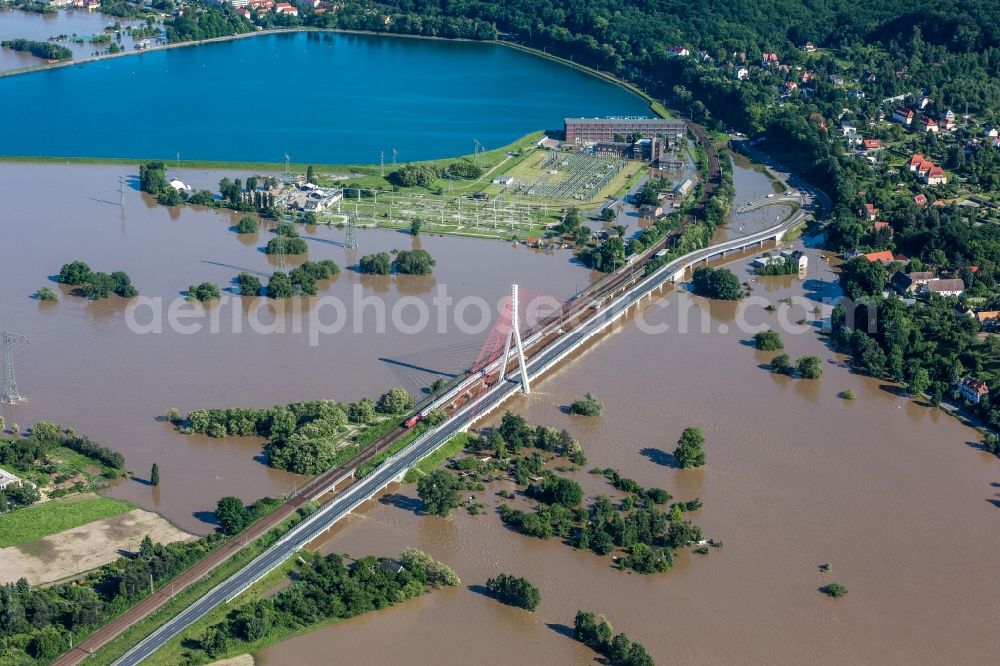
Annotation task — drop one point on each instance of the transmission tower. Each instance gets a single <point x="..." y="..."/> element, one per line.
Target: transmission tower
<point x="394" y="155"/>
<point x="121" y="190"/>
<point x="9" y="393"/>
<point x="288" y="169"/>
<point x="381" y="163"/>
<point x="475" y="151"/>
<point x="352" y="231"/>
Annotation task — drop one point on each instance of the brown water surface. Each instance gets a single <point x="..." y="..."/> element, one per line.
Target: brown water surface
<point x="886" y="490"/>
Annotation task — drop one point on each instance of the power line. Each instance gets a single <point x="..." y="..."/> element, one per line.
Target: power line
<point x="9" y="393"/>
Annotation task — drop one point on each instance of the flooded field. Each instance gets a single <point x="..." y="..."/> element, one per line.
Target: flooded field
<point x="886" y="490"/>
<point x="85" y="368"/>
<point x="40" y="27"/>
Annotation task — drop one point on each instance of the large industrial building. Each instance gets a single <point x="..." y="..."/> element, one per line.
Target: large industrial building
<point x="604" y="130"/>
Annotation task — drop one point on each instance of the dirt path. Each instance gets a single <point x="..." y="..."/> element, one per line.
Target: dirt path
<point x="83" y="548"/>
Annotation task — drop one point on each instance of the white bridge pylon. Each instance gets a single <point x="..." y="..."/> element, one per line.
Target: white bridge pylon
<point x="515" y="335"/>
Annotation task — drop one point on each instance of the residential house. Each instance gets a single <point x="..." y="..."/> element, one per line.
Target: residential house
<point x="928" y="125"/>
<point x="871" y="212"/>
<point x="741" y="73"/>
<point x="945" y="287"/>
<point x="988" y="317"/>
<point x="923" y="102"/>
<point x="920" y="164"/>
<point x="947" y="120"/>
<point x="678" y="51"/>
<point x="809" y="48"/>
<point x="908" y="284"/>
<point x="884" y="257"/>
<point x="903" y="115"/>
<point x="879" y="226"/>
<point x="920" y="200"/>
<point x="837" y="80"/>
<point x="991" y="133"/>
<point x="769" y="59"/>
<point x="871" y="145"/>
<point x="7" y="479"/>
<point x="285" y="8"/>
<point x="936" y="176"/>
<point x="973" y="389"/>
<point x="788" y="87"/>
<point x="848" y="127"/>
<point x="244" y="12"/>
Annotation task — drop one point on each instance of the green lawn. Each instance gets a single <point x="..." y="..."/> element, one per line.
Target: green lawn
<point x="55" y="516"/>
<point x="452" y="448"/>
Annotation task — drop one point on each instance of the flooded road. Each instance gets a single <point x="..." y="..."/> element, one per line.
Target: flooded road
<point x="85" y="368"/>
<point x="887" y="491"/>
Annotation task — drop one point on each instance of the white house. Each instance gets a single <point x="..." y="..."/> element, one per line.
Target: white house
<point x="6" y="479"/>
<point x="505" y="181"/>
<point x="945" y="287"/>
<point x="741" y="73"/>
<point x="973" y="389"/>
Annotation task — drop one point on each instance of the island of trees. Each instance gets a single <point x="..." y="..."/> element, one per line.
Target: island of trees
<point x="598" y="634"/>
<point x="304" y="437"/>
<point x="515" y="591"/>
<point x="326" y="588"/>
<point x="96" y="285"/>
<point x="718" y="283"/>
<point x="47" y="50"/>
<point x="636" y="525"/>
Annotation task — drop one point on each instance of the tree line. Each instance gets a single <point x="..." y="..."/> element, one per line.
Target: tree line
<point x="326" y="588"/>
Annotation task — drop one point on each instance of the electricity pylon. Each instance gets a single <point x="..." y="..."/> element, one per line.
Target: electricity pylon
<point x="352" y="231"/>
<point x="9" y="393"/>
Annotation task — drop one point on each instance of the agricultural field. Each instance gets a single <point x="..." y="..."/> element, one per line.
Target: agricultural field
<point x="55" y="516"/>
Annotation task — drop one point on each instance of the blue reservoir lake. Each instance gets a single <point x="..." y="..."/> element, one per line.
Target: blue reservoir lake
<point x="320" y="97"/>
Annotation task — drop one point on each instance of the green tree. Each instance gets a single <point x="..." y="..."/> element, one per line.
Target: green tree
<point x="588" y="405"/>
<point x="415" y="226"/>
<point x="860" y="278"/>
<point x="439" y="491"/>
<point x="75" y="273"/>
<point x="608" y="214"/>
<point x="414" y="262"/>
<point x="247" y="225"/>
<point x="768" y="340"/>
<point x="394" y="401"/>
<point x="810" y="367"/>
<point x="247" y="284"/>
<point x="720" y="283"/>
<point x="231" y="515"/>
<point x="375" y="264"/>
<point x="781" y="365"/>
<point x="154" y="475"/>
<point x="835" y="590"/>
<point x="514" y="591"/>
<point x="46" y="294"/>
<point x="690" y="451"/>
<point x="280" y="286"/>
<point x="206" y="291"/>
<point x="310" y="174"/>
<point x="362" y="411"/>
<point x="214" y="642"/>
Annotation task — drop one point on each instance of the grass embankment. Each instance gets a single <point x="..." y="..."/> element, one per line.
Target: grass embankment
<point x="368" y="467"/>
<point x="111" y="651"/>
<point x="451" y="448"/>
<point x="55" y="516"/>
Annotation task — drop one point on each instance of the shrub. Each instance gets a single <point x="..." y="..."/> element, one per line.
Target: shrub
<point x="375" y="264"/>
<point x="768" y="341"/>
<point x="810" y="367"/>
<point x="781" y="365"/>
<point x="206" y="291"/>
<point x="848" y="394"/>
<point x="247" y="225"/>
<point x="46" y="294"/>
<point x="414" y="262"/>
<point x="588" y="405"/>
<point x="835" y="590"/>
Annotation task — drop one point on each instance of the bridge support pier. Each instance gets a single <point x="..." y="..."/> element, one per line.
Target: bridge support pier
<point x="515" y="336"/>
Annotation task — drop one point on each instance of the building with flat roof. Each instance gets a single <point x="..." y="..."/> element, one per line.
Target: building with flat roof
<point x="604" y="130"/>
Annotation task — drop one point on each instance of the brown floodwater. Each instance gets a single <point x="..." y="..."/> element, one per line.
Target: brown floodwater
<point x="85" y="368"/>
<point x="889" y="491"/>
<point x="16" y="24"/>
